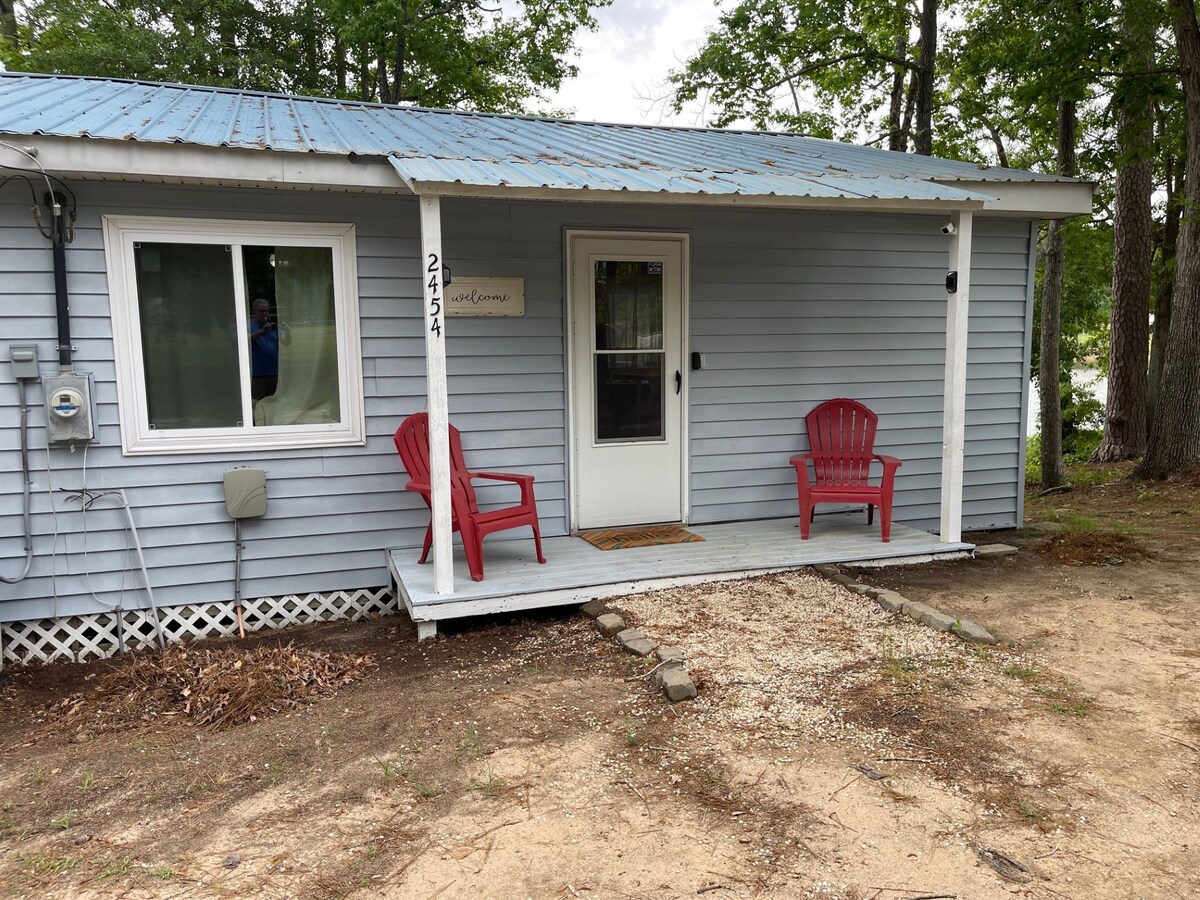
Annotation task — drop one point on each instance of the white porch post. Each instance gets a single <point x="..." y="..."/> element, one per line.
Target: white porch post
<point x="954" y="415"/>
<point x="435" y="388"/>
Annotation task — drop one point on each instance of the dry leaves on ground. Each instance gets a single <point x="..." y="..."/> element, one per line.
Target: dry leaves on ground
<point x="216" y="688"/>
<point x="1091" y="548"/>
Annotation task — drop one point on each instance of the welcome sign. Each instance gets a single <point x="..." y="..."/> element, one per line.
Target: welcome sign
<point x="486" y="297"/>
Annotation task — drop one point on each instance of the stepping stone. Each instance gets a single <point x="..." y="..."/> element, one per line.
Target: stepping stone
<point x="670" y="655"/>
<point x="994" y="551"/>
<point x="594" y="609"/>
<point x="633" y="641"/>
<point x="610" y="624"/>
<point x="927" y="615"/>
<point x="677" y="685"/>
<point x="891" y="601"/>
<point x="968" y="630"/>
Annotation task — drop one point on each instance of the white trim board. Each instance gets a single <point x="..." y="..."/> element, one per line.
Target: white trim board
<point x="132" y="161"/>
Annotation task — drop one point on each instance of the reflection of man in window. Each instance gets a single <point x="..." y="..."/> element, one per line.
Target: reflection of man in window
<point x="265" y="339"/>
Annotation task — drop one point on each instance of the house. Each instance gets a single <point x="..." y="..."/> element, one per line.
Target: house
<point x="752" y="275"/>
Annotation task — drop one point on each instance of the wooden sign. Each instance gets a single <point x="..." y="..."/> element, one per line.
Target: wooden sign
<point x="486" y="297"/>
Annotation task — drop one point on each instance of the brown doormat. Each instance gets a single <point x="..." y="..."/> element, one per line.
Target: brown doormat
<point x="641" y="536"/>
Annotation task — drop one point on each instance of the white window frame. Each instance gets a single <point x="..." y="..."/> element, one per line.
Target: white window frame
<point x="121" y="233"/>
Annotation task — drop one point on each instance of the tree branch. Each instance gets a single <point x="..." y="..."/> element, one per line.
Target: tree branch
<point x="846" y="57"/>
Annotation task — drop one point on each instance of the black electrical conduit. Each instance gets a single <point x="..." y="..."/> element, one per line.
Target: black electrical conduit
<point x="58" y="239"/>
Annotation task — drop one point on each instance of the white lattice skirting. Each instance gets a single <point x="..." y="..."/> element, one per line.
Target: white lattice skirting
<point x="102" y="635"/>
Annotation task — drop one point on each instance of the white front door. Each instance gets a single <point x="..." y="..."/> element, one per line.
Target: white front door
<point x="627" y="379"/>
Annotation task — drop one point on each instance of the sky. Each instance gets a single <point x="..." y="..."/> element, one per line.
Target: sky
<point x="623" y="65"/>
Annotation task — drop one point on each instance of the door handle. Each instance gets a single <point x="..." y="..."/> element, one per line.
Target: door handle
<point x="678" y="382"/>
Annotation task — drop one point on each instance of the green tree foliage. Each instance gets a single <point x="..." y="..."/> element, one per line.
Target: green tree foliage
<point x="1087" y="288"/>
<point x="1020" y="83"/>
<point x="831" y="68"/>
<point x="445" y="53"/>
<point x="1083" y="332"/>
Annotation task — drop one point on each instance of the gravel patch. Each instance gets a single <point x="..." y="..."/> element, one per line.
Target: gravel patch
<point x="775" y="657"/>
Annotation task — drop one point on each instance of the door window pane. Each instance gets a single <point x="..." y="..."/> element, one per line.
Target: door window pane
<point x="629" y="396"/>
<point x="189" y="342"/>
<point x="292" y="335"/>
<point x="629" y="305"/>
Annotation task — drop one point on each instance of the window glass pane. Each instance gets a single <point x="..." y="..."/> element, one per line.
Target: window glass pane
<point x="629" y="396"/>
<point x="629" y="305"/>
<point x="189" y="345"/>
<point x="292" y="335"/>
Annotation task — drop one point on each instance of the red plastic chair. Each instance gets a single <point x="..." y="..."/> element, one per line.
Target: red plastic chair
<point x="412" y="443"/>
<point x="842" y="436"/>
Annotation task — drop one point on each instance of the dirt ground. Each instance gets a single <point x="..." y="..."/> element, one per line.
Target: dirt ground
<point x="530" y="758"/>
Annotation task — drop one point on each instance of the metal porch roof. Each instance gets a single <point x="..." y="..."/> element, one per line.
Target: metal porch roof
<point x="486" y="150"/>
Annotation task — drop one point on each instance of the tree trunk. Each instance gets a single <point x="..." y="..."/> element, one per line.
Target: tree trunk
<point x="923" y="132"/>
<point x="910" y="99"/>
<point x="998" y="143"/>
<point x="1049" y="391"/>
<point x="339" y="65"/>
<point x="365" y="89"/>
<point x="1125" y="408"/>
<point x="897" y="139"/>
<point x="383" y="85"/>
<point x="399" y="65"/>
<point x="1175" y="435"/>
<point x="1165" y="288"/>
<point x="8" y="23"/>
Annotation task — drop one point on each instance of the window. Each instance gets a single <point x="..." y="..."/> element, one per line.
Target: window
<point x="234" y="335"/>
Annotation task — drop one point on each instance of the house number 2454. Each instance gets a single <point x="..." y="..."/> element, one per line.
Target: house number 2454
<point x="435" y="294"/>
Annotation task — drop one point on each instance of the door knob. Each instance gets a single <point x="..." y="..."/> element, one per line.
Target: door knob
<point x="678" y="381"/>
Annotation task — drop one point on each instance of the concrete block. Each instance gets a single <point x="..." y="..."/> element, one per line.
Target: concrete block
<point x="927" y="615"/>
<point x="891" y="601"/>
<point x="639" y="647"/>
<point x="670" y="654"/>
<point x="827" y="570"/>
<point x="994" y="551"/>
<point x="678" y="686"/>
<point x="915" y="609"/>
<point x="594" y="609"/>
<point x="610" y="624"/>
<point x="633" y="641"/>
<point x="969" y="631"/>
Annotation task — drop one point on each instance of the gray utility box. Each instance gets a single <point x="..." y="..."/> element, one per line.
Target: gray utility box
<point x="246" y="492"/>
<point x="70" y="413"/>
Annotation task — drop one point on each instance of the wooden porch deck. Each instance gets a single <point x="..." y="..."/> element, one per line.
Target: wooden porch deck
<point x="576" y="572"/>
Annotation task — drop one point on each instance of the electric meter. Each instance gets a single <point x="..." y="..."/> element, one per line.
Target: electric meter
<point x="66" y="403"/>
<point x="69" y="407"/>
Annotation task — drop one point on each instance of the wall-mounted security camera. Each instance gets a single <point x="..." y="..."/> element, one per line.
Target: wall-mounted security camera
<point x="949" y="228"/>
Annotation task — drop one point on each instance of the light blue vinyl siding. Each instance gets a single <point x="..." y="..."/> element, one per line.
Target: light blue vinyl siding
<point x="784" y="329"/>
<point x="790" y="308"/>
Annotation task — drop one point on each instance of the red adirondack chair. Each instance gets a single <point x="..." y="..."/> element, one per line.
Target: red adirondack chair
<point x="842" y="436"/>
<point x="412" y="443"/>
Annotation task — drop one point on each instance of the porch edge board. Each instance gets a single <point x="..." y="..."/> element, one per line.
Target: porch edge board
<point x="449" y="608"/>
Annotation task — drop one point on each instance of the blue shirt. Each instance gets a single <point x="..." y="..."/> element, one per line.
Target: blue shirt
<point x="264" y="351"/>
